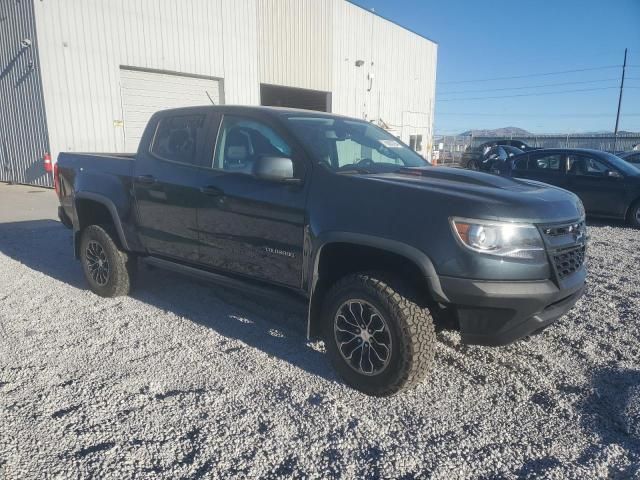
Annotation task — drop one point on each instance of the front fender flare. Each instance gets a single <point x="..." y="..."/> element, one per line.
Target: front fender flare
<point x="420" y="259"/>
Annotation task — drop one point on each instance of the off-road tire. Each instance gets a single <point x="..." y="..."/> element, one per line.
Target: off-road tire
<point x="634" y="215"/>
<point x="410" y="324"/>
<point x="122" y="267"/>
<point x="473" y="165"/>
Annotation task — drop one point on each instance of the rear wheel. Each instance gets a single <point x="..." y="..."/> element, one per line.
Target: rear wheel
<point x="109" y="271"/>
<point x="473" y="165"/>
<point x="634" y="214"/>
<point x="378" y="339"/>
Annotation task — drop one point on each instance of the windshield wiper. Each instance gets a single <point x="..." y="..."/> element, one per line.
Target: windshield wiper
<point x="357" y="170"/>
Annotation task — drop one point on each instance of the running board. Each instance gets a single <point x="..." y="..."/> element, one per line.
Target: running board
<point x="246" y="286"/>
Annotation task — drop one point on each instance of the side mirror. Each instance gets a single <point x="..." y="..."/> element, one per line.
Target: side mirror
<point x="278" y="169"/>
<point x="613" y="174"/>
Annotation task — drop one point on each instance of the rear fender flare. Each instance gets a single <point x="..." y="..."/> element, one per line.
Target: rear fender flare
<point x="115" y="217"/>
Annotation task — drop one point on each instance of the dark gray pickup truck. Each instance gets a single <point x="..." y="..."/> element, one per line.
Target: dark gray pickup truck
<point x="338" y="213"/>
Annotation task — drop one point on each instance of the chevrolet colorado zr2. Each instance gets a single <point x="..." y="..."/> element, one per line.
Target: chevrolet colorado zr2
<point x="339" y="214"/>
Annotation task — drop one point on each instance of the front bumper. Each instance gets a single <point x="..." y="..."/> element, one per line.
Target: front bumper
<point x="498" y="313"/>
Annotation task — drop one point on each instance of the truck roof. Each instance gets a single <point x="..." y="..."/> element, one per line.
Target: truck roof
<point x="239" y="109"/>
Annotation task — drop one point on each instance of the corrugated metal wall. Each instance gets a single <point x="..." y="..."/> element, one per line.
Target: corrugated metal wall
<point x="84" y="43"/>
<point x="23" y="124"/>
<point x="315" y="44"/>
<point x="296" y="47"/>
<point x="239" y="46"/>
<point x="310" y="44"/>
<point x="395" y="84"/>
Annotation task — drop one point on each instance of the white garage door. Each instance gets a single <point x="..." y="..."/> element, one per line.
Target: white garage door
<point x="145" y="92"/>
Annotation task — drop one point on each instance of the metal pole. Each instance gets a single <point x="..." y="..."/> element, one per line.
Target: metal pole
<point x="615" y="132"/>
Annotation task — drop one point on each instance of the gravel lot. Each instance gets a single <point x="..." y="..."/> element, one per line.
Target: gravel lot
<point x="185" y="379"/>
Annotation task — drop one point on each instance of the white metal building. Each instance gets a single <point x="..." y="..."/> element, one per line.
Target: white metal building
<point x="105" y="65"/>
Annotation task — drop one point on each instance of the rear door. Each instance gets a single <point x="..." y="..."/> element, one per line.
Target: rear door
<point x="247" y="225"/>
<point x="167" y="182"/>
<point x="601" y="194"/>
<point x="544" y="167"/>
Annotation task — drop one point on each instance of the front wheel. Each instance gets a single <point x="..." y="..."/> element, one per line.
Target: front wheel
<point x="378" y="339"/>
<point x="108" y="270"/>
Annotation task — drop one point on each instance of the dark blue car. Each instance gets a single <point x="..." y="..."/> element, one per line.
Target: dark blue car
<point x="607" y="185"/>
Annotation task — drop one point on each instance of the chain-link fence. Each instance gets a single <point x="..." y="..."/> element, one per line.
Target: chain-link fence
<point x="448" y="149"/>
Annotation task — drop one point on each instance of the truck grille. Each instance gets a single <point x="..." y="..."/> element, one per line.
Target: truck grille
<point x="566" y="245"/>
<point x="559" y="230"/>
<point x="568" y="260"/>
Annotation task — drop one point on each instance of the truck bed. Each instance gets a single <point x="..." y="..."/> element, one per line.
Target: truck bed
<point x="119" y="164"/>
<point x="106" y="174"/>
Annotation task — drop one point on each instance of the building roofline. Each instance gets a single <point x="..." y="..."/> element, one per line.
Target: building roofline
<point x="373" y="12"/>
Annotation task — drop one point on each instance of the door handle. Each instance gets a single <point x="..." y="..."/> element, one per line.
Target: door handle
<point x="211" y="191"/>
<point x="146" y="179"/>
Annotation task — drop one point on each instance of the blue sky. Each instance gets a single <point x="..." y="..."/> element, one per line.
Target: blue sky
<point x="504" y="38"/>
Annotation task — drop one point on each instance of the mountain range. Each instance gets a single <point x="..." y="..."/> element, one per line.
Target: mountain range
<point x="497" y="132"/>
<point x="518" y="132"/>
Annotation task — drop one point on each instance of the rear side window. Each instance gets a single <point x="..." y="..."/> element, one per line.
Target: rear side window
<point x="177" y="138"/>
<point x="521" y="163"/>
<point x="546" y="163"/>
<point x="634" y="158"/>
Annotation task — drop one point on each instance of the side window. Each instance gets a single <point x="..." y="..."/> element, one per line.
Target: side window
<point x="581" y="165"/>
<point x="486" y="149"/>
<point x="177" y="138"/>
<point x="545" y="163"/>
<point x="521" y="163"/>
<point x="635" y="158"/>
<point x="242" y="141"/>
<point x="511" y="152"/>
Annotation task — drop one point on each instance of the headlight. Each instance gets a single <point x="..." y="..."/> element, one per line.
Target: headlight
<point x="580" y="207"/>
<point x="513" y="240"/>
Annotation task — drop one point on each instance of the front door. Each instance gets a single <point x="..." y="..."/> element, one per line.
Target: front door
<point x="247" y="225"/>
<point x="167" y="183"/>
<point x="591" y="180"/>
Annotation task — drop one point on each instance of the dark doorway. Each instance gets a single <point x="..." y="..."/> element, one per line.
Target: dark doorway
<point x="276" y="96"/>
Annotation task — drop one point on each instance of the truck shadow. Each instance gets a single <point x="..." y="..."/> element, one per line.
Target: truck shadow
<point x="274" y="327"/>
<point x="612" y="411"/>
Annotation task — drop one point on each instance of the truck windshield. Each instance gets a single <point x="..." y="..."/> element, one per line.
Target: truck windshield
<point x="353" y="146"/>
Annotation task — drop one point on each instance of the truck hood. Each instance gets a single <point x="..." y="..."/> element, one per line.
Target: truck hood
<point x="487" y="196"/>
